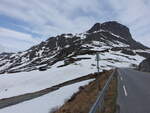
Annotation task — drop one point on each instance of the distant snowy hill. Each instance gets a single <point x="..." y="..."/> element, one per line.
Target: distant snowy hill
<point x="2" y="49"/>
<point x="111" y="39"/>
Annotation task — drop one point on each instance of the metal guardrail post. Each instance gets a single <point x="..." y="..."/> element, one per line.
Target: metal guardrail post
<point x="98" y="105"/>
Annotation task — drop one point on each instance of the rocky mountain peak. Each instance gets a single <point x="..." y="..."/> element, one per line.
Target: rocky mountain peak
<point x="117" y="28"/>
<point x="113" y="27"/>
<point x="96" y="27"/>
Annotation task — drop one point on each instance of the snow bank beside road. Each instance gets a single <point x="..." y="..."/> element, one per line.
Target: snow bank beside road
<point x="27" y="82"/>
<point x="45" y="103"/>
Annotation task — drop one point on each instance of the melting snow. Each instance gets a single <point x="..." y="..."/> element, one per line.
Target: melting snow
<point x="45" y="103"/>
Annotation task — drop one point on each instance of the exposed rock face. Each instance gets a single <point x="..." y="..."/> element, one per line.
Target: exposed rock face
<point x="103" y="37"/>
<point x="144" y="54"/>
<point x="145" y="65"/>
<point x="118" y="29"/>
<point x="128" y="52"/>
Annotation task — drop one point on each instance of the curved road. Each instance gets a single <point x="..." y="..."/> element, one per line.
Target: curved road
<point x="133" y="91"/>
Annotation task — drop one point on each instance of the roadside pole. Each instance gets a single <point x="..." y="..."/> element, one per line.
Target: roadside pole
<point x="98" y="68"/>
<point x="97" y="59"/>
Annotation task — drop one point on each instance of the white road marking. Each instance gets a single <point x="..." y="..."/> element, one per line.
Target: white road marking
<point x="121" y="78"/>
<point x="120" y="75"/>
<point x="125" y="91"/>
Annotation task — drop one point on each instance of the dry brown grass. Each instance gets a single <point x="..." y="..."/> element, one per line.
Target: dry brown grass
<point x="111" y="97"/>
<point x="82" y="101"/>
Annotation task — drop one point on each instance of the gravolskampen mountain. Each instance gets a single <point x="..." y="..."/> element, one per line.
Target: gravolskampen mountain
<point x="111" y="39"/>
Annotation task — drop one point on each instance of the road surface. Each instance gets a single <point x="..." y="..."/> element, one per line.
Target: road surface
<point x="133" y="91"/>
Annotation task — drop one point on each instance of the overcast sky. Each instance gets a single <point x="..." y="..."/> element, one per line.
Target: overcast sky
<point x="24" y="23"/>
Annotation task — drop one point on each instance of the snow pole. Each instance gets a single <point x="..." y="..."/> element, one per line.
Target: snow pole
<point x="97" y="59"/>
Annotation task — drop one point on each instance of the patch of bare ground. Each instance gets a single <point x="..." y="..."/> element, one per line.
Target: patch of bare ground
<point x="82" y="101"/>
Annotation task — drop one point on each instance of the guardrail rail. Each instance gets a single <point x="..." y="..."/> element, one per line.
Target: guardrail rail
<point x="98" y="105"/>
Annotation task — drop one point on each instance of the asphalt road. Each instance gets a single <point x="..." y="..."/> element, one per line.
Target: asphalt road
<point x="133" y="91"/>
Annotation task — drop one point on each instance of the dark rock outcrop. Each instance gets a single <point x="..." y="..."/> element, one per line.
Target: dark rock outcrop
<point x="144" y="54"/>
<point x="145" y="65"/>
<point x="118" y="29"/>
<point x="128" y="52"/>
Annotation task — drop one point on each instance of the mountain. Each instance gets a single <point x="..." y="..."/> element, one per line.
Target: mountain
<point x="111" y="39"/>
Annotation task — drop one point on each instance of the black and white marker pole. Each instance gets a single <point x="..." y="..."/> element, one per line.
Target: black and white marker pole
<point x="97" y="59"/>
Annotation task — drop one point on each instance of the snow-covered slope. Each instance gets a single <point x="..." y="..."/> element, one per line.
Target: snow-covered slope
<point x="25" y="82"/>
<point x="45" y="103"/>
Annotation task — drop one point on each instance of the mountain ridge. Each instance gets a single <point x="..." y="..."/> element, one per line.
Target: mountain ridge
<point x="103" y="37"/>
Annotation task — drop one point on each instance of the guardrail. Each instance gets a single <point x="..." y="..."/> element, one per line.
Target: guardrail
<point x="98" y="105"/>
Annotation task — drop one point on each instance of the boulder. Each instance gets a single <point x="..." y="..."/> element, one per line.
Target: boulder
<point x="145" y="65"/>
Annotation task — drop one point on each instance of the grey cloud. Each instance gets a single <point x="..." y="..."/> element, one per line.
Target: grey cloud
<point x="51" y="17"/>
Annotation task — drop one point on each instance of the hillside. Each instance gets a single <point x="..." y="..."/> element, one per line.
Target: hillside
<point x="110" y="39"/>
